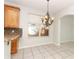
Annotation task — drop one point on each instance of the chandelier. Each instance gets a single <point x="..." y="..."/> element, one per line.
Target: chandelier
<point x="47" y="20"/>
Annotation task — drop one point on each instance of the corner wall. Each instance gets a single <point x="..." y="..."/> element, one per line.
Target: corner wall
<point x="67" y="28"/>
<point x="66" y="11"/>
<point x="27" y="41"/>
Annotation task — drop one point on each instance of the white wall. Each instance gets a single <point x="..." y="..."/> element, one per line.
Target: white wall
<point x="54" y="34"/>
<point x="26" y="41"/>
<point x="66" y="11"/>
<point x="67" y="28"/>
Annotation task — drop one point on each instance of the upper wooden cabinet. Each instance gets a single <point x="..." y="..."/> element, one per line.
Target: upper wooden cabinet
<point x="11" y="16"/>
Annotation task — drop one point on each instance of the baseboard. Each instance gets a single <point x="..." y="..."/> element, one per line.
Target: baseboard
<point x="59" y="43"/>
<point x="67" y="41"/>
<point x="55" y="43"/>
<point x="35" y="45"/>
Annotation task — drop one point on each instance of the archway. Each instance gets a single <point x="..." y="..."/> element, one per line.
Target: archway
<point x="66" y="28"/>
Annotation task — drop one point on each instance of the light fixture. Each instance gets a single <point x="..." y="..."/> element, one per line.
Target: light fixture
<point x="47" y="20"/>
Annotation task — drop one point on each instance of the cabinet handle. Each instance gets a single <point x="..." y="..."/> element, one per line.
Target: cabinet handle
<point x="7" y="42"/>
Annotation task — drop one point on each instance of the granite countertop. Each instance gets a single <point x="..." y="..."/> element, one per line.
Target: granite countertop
<point x="12" y="33"/>
<point x="10" y="37"/>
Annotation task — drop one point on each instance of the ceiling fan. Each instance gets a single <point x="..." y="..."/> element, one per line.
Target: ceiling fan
<point x="46" y="20"/>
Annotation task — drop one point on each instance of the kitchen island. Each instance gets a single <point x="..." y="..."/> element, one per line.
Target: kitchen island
<point x="11" y="38"/>
<point x="7" y="45"/>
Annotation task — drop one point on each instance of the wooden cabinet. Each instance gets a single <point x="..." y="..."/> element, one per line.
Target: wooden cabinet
<point x="14" y="44"/>
<point x="11" y="16"/>
<point x="11" y="20"/>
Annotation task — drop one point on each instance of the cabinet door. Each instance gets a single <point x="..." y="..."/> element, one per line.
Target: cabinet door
<point x="14" y="46"/>
<point x="11" y="16"/>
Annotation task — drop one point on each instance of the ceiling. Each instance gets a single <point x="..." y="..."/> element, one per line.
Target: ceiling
<point x="54" y="6"/>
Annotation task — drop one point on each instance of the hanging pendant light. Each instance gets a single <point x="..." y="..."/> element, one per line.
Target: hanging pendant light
<point x="47" y="20"/>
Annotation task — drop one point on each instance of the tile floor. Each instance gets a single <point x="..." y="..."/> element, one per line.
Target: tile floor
<point x="50" y="51"/>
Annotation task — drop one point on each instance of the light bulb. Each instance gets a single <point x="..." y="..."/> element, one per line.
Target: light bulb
<point x="46" y="17"/>
<point x="53" y="18"/>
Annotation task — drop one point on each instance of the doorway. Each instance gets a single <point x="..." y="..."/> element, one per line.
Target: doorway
<point x="67" y="28"/>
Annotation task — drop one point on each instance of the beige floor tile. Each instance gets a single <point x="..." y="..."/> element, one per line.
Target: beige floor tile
<point x="50" y="51"/>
